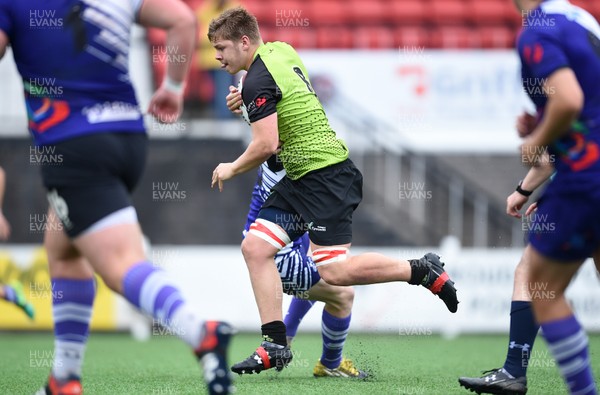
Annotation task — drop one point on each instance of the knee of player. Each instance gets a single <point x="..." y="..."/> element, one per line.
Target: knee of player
<point x="253" y="249"/>
<point x="114" y="285"/>
<point x="247" y="248"/>
<point x="346" y="297"/>
<point x="113" y="280"/>
<point x="332" y="275"/>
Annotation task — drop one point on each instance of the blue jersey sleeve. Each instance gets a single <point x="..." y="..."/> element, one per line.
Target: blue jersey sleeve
<point x="303" y="242"/>
<point x="5" y="17"/>
<point x="540" y="50"/>
<point x="137" y="6"/>
<point x="255" y="204"/>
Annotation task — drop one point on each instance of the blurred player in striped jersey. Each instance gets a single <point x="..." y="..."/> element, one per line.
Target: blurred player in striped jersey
<point x="73" y="57"/>
<point x="300" y="278"/>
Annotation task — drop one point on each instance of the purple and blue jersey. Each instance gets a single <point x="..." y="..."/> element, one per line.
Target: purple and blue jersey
<point x="82" y="84"/>
<point x="557" y="35"/>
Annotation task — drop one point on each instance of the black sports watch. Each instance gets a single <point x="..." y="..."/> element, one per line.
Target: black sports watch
<point x="523" y="191"/>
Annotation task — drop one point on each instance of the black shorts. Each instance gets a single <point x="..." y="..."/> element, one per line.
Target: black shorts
<point x="322" y="201"/>
<point x="93" y="176"/>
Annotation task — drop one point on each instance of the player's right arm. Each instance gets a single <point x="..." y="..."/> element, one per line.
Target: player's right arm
<point x="260" y="96"/>
<point x="180" y="23"/>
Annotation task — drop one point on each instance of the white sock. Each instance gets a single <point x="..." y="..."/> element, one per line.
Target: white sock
<point x="68" y="359"/>
<point x="186" y="324"/>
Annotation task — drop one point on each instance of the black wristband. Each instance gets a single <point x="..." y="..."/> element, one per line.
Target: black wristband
<point x="523" y="191"/>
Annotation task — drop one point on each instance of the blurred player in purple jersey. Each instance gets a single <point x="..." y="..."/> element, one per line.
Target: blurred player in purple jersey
<point x="511" y="377"/>
<point x="73" y="57"/>
<point x="543" y="22"/>
<point x="300" y="278"/>
<point x="559" y="48"/>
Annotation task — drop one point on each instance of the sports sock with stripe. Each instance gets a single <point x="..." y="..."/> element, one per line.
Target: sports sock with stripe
<point x="334" y="331"/>
<point x="149" y="289"/>
<point x="72" y="304"/>
<point x="569" y="345"/>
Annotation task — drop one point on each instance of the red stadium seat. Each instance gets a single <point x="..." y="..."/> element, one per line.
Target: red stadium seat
<point x="412" y="12"/>
<point x="585" y="4"/>
<point x="297" y="37"/>
<point x="268" y="33"/>
<point x="455" y="37"/>
<point x="334" y="37"/>
<point x="497" y="36"/>
<point x="411" y="37"/>
<point x="328" y="12"/>
<point x="514" y="17"/>
<point x="449" y="12"/>
<point x="199" y="85"/>
<point x="489" y="12"/>
<point x="288" y="13"/>
<point x="593" y="7"/>
<point x="595" y="10"/>
<point x="373" y="37"/>
<point x="261" y="10"/>
<point x="367" y="12"/>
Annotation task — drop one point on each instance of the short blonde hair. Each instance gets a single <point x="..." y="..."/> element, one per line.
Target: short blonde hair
<point x="233" y="24"/>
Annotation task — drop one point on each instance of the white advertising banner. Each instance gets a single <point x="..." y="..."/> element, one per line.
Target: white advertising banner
<point x="215" y="280"/>
<point x="462" y="101"/>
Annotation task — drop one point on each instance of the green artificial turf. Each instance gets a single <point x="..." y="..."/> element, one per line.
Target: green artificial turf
<point x="117" y="364"/>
